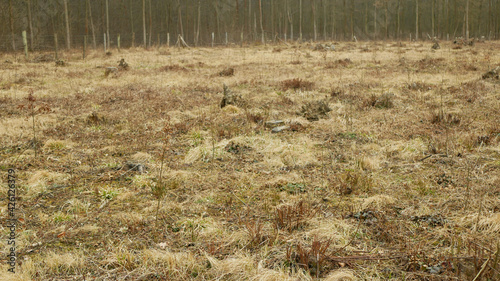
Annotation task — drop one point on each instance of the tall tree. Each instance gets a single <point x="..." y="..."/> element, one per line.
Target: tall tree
<point x="198" y="25"/>
<point x="313" y="8"/>
<point x="467" y="20"/>
<point x="66" y="17"/>
<point x="323" y="5"/>
<point x="11" y="19"/>
<point x="375" y="31"/>
<point x="144" y="23"/>
<point x="352" y="20"/>
<point x="91" y="24"/>
<point x="180" y="18"/>
<point x="261" y="26"/>
<point x="300" y="20"/>
<point x="398" y="23"/>
<point x="290" y="19"/>
<point x="366" y="18"/>
<point x="344" y="27"/>
<point x="386" y="18"/>
<point x="150" y="23"/>
<point x="132" y="23"/>
<point x="416" y="20"/>
<point x="107" y="22"/>
<point x="30" y="24"/>
<point x="490" y="7"/>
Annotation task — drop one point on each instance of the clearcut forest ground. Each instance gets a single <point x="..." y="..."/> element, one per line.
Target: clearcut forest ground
<point x="388" y="166"/>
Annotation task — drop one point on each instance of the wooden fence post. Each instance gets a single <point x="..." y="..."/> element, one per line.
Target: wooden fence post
<point x="25" y="44"/>
<point x="55" y="43"/>
<point x="105" y="51"/>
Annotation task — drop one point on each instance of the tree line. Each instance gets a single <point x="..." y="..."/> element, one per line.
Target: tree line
<point x="205" y="22"/>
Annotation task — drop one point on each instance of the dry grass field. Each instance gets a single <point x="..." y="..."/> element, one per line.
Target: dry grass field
<point x="387" y="165"/>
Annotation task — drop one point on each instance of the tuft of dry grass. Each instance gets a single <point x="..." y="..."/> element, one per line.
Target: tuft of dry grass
<point x="296" y="84"/>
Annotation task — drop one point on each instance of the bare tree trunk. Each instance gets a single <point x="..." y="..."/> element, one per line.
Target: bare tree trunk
<point x="398" y="23"/>
<point x="180" y="18"/>
<point x="273" y="30"/>
<point x="30" y="24"/>
<point x="150" y="23"/>
<point x="236" y="26"/>
<point x="255" y="25"/>
<point x="68" y="39"/>
<point x="168" y="22"/>
<point x="366" y="18"/>
<point x="313" y="7"/>
<point x="416" y="20"/>
<point x="352" y="20"/>
<point x="261" y="26"/>
<point x="199" y="20"/>
<point x="107" y="22"/>
<point x="11" y="17"/>
<point x="217" y="18"/>
<point x="91" y="25"/>
<point x="324" y="19"/>
<point x="334" y="35"/>
<point x="249" y="18"/>
<point x="344" y="13"/>
<point x="132" y="24"/>
<point x="144" y="23"/>
<point x="432" y="17"/>
<point x="490" y="7"/>
<point x="479" y="17"/>
<point x="290" y="19"/>
<point x="467" y="20"/>
<point x="375" y="23"/>
<point x="300" y="20"/>
<point x="386" y="20"/>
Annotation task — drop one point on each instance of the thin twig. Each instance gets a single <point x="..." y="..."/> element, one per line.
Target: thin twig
<point x="352" y="239"/>
<point x="483" y="267"/>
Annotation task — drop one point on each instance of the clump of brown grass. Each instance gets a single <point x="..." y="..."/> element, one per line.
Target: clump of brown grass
<point x="419" y="86"/>
<point x="469" y="91"/>
<point x="173" y="67"/>
<point x="309" y="259"/>
<point x="315" y="110"/>
<point x="336" y="92"/>
<point x="353" y="182"/>
<point x="338" y="63"/>
<point x="440" y="117"/>
<point x="293" y="216"/>
<point x="296" y="84"/>
<point x="344" y="63"/>
<point x="226" y="72"/>
<point x="95" y="119"/>
<point x="257" y="117"/>
<point x="428" y="62"/>
<point x="254" y="228"/>
<point x="383" y="101"/>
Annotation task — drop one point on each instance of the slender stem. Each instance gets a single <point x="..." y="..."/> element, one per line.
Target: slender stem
<point x="34" y="132"/>
<point x="159" y="187"/>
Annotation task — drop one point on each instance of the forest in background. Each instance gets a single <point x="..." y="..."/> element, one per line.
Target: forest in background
<point x="153" y="22"/>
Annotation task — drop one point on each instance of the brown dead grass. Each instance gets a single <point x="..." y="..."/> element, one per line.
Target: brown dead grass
<point x="396" y="174"/>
